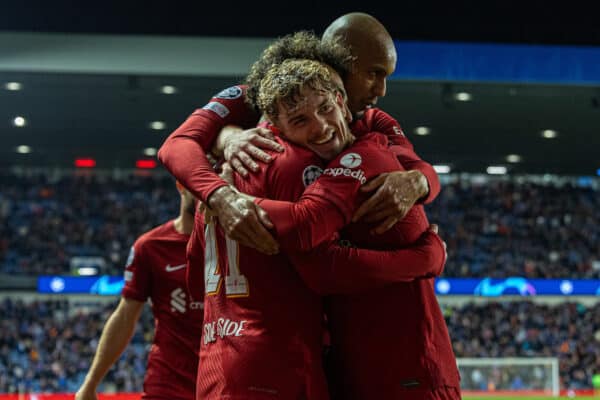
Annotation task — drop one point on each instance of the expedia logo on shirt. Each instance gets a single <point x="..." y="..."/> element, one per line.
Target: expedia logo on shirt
<point x="357" y="174"/>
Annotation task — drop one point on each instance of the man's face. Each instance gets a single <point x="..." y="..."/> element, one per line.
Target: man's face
<point x="319" y="123"/>
<point x="366" y="81"/>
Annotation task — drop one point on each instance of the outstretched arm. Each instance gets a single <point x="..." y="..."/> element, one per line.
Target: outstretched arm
<point x="115" y="336"/>
<point x="184" y="154"/>
<point x="334" y="269"/>
<point x="394" y="193"/>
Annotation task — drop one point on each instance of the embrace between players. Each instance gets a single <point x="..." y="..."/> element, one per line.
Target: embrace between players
<point x="296" y="256"/>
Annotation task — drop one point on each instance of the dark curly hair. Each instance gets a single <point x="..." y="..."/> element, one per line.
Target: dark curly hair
<point x="299" y="45"/>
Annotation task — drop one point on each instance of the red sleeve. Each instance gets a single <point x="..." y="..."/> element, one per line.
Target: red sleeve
<point x="305" y="224"/>
<point x="184" y="152"/>
<point x="333" y="269"/>
<point x="194" y="274"/>
<point x="328" y="204"/>
<point x="138" y="274"/>
<point x="404" y="150"/>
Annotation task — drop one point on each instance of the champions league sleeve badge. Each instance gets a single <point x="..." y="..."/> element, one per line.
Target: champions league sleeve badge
<point x="310" y="174"/>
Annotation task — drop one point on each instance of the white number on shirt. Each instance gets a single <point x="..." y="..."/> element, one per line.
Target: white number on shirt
<point x="236" y="284"/>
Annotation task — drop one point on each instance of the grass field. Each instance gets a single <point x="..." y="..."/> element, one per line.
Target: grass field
<point x="516" y="396"/>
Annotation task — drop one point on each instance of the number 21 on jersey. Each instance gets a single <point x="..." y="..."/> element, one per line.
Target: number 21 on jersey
<point x="236" y="285"/>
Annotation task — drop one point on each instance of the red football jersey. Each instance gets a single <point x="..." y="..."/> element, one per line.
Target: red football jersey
<point x="389" y="343"/>
<point x="184" y="152"/>
<point x="155" y="270"/>
<point x="262" y="326"/>
<point x="376" y="120"/>
<point x="265" y="300"/>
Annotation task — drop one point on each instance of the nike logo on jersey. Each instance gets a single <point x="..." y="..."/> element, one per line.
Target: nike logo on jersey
<point x="168" y="268"/>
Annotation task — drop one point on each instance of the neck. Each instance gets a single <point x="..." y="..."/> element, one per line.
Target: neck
<point x="184" y="223"/>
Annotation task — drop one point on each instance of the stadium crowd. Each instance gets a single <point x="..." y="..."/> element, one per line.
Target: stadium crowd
<point x="509" y="228"/>
<point x="497" y="229"/>
<point x="46" y="222"/>
<point x="46" y="345"/>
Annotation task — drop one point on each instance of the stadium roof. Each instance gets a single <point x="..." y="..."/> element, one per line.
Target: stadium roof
<point x="97" y="95"/>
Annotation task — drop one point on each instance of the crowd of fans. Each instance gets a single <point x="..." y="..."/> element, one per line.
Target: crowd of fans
<point x="46" y="222"/>
<point x="507" y="228"/>
<point x="497" y="229"/>
<point x="569" y="331"/>
<point x="47" y="346"/>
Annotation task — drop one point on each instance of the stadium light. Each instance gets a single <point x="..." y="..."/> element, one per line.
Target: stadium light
<point x="87" y="271"/>
<point x="168" y="89"/>
<point x="85" y="162"/>
<point x="549" y="133"/>
<point x="463" y="96"/>
<point x="19" y="121"/>
<point x="496" y="170"/>
<point x="150" y="151"/>
<point x="13" y="86"/>
<point x="157" y="125"/>
<point x="145" y="164"/>
<point x="442" y="169"/>
<point x="422" y="130"/>
<point x="23" y="149"/>
<point x="513" y="158"/>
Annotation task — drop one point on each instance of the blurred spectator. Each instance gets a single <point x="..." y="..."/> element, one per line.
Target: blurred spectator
<point x="45" y="223"/>
<point x="45" y="346"/>
<point x="514" y="228"/>
<point x="569" y="331"/>
<point x="495" y="229"/>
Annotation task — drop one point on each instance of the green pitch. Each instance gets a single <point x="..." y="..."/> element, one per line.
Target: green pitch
<point x="522" y="397"/>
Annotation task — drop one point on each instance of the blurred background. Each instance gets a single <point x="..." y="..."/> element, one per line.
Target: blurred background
<point x="503" y="98"/>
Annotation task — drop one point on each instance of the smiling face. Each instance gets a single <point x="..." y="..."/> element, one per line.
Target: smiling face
<point x="374" y="55"/>
<point x="318" y="122"/>
<point x="302" y="99"/>
<point x="375" y="61"/>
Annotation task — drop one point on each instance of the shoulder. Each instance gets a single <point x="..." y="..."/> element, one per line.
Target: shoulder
<point x="159" y="234"/>
<point x="371" y="141"/>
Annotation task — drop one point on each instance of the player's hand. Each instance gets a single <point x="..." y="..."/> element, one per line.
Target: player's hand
<point x="395" y="194"/>
<point x="84" y="394"/>
<point x="434" y="228"/>
<point x="227" y="173"/>
<point x="243" y="220"/>
<point x="243" y="149"/>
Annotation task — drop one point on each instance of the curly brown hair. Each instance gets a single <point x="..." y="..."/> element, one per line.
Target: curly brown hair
<point x="299" y="45"/>
<point x="284" y="83"/>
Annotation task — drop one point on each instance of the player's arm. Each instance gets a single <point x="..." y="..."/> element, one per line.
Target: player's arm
<point x="184" y="154"/>
<point x="394" y="193"/>
<point x="409" y="159"/>
<point x="333" y="269"/>
<point x="115" y="336"/>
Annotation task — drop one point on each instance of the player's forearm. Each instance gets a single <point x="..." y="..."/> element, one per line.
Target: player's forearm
<point x="186" y="160"/>
<point x="115" y="336"/>
<point x="304" y="225"/>
<point x="333" y="269"/>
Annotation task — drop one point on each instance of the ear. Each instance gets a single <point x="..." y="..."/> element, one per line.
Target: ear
<point x="179" y="187"/>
